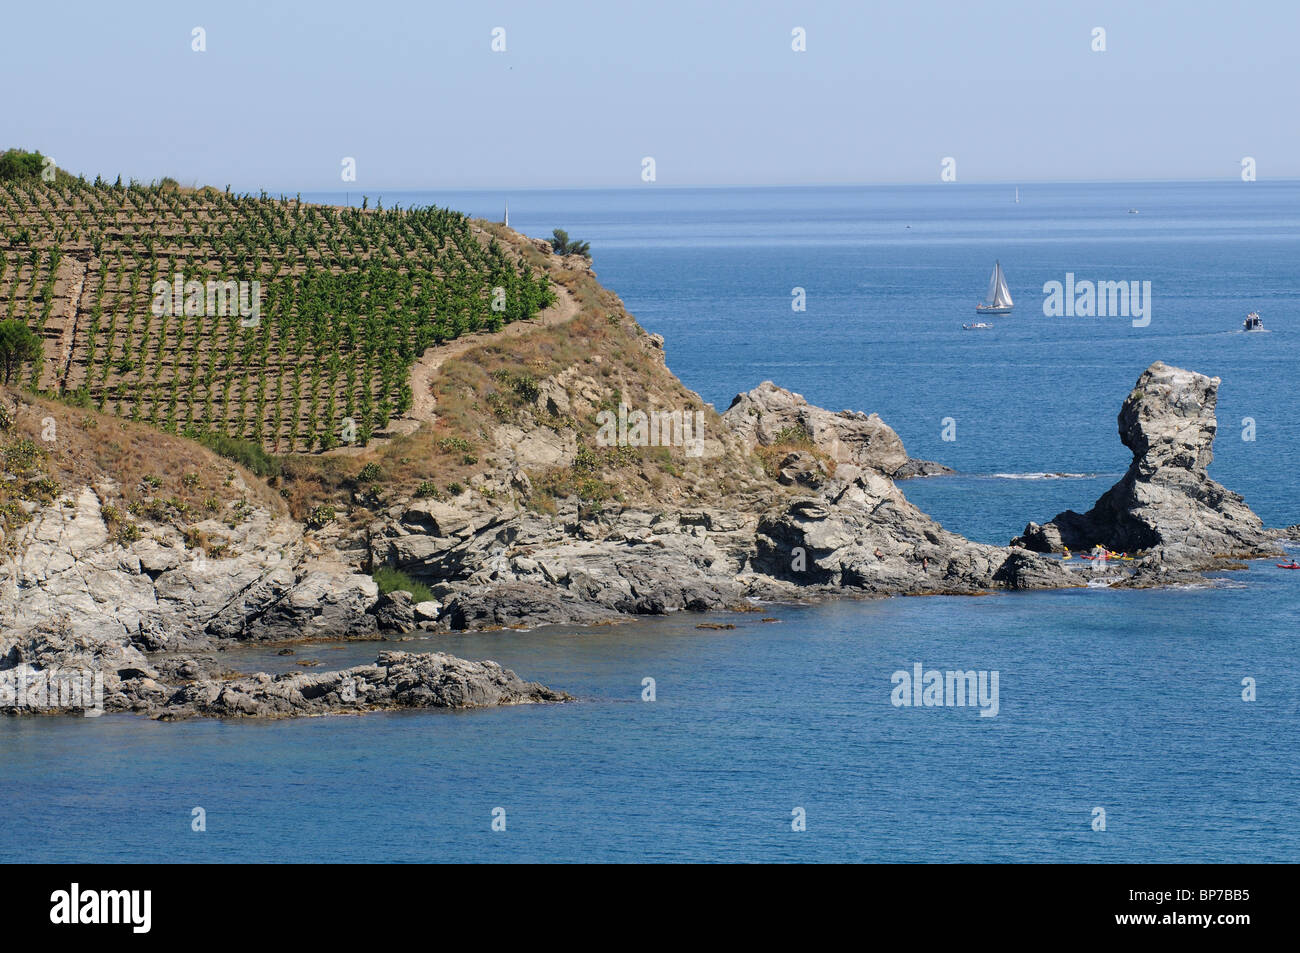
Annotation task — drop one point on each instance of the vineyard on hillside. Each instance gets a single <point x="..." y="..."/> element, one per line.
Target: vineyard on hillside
<point x="348" y="300"/>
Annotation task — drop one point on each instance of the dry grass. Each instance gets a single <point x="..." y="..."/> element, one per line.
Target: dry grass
<point x="492" y="384"/>
<point x="161" y="478"/>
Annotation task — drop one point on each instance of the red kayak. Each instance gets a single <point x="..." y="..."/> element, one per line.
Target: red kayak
<point x="1288" y="565"/>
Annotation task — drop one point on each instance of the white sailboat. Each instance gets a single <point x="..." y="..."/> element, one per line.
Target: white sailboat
<point x="998" y="298"/>
<point x="1017" y="195"/>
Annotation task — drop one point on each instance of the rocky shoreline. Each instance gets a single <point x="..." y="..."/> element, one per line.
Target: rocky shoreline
<point x="829" y="520"/>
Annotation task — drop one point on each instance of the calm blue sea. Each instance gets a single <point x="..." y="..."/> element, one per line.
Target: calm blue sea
<point x="1126" y="701"/>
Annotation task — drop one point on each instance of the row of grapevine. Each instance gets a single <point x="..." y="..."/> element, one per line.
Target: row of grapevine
<point x="347" y="301"/>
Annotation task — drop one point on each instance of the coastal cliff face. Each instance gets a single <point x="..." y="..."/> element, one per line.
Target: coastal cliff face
<point x="1166" y="505"/>
<point x="826" y="520"/>
<point x="101" y="581"/>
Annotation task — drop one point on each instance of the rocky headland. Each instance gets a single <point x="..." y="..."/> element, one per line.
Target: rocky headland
<point x="775" y="500"/>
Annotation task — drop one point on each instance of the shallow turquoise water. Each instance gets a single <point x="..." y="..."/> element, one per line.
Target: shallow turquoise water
<point x="1130" y="701"/>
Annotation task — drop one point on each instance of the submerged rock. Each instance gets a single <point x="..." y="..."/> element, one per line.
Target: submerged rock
<point x="915" y="468"/>
<point x="1166" y="505"/>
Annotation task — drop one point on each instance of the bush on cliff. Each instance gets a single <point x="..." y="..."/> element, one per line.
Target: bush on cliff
<point x="244" y="452"/>
<point x="390" y="580"/>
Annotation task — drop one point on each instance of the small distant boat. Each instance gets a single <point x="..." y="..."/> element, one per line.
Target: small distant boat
<point x="1017" y="195"/>
<point x="998" y="298"/>
<point x="977" y="326"/>
<point x="1133" y="211"/>
<point x="1253" y="322"/>
<point x="1291" y="565"/>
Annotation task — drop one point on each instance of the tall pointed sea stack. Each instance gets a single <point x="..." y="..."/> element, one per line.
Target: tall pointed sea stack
<point x="1166" y="504"/>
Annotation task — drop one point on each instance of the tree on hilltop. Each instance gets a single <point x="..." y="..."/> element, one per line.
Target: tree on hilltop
<point x="561" y="245"/>
<point x="18" y="164"/>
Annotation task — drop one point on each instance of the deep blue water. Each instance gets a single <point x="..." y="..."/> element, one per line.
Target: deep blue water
<point x="1130" y="701"/>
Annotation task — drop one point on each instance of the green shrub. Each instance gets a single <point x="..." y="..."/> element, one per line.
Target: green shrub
<point x="523" y="386"/>
<point x="370" y="473"/>
<point x="244" y="452"/>
<point x="21" y="455"/>
<point x="795" y="433"/>
<point x="20" y="164"/>
<point x="585" y="460"/>
<point x="19" y="346"/>
<point x="321" y="516"/>
<point x="391" y="580"/>
<point x="45" y="489"/>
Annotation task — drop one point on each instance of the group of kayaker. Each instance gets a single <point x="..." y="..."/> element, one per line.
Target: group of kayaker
<point x="1099" y="552"/>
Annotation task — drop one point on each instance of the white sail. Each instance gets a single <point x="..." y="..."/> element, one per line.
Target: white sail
<point x="991" y="295"/>
<point x="1000" y="295"/>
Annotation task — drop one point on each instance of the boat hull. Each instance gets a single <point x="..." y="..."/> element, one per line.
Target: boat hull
<point x="991" y="309"/>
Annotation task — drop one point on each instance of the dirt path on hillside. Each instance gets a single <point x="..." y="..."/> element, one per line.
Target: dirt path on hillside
<point x="60" y="332"/>
<point x="426" y="368"/>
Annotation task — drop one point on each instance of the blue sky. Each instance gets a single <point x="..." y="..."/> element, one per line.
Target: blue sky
<point x="713" y="91"/>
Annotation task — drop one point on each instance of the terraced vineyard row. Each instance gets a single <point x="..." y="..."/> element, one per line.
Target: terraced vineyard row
<point x="318" y="351"/>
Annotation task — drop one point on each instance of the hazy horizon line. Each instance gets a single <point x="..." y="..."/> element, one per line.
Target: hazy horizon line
<point x="1009" y="183"/>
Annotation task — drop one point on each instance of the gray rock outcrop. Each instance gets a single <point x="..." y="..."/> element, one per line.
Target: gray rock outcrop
<point x="769" y="413"/>
<point x="395" y="680"/>
<point x="1166" y="506"/>
<point x="267" y="586"/>
<point x="863" y="535"/>
<point x="37" y="669"/>
<point x="152" y="615"/>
